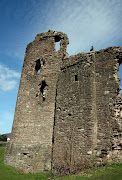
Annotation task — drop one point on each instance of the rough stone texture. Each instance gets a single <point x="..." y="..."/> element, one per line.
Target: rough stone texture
<point x="88" y="111"/>
<point x="68" y="116"/>
<point x="30" y="147"/>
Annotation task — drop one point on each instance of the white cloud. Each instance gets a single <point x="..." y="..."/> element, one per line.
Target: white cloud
<point x="8" y="78"/>
<point x="86" y="22"/>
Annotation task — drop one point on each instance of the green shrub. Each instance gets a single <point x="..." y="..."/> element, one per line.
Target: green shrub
<point x="3" y="138"/>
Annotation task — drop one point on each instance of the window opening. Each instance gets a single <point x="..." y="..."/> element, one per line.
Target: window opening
<point x="57" y="46"/>
<point x="38" y="66"/>
<point x="57" y="42"/>
<point x="43" y="98"/>
<point x="43" y="89"/>
<point x="76" y="77"/>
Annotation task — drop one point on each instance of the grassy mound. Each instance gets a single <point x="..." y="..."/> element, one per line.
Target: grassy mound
<point x="111" y="172"/>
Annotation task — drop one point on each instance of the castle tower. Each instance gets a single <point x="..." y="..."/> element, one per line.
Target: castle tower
<point x="30" y="147"/>
<point x="68" y="115"/>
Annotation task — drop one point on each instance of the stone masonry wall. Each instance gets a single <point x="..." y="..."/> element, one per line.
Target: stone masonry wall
<point x="74" y="118"/>
<point x="107" y="94"/>
<point x="85" y="111"/>
<point x="30" y="147"/>
<point x="68" y="114"/>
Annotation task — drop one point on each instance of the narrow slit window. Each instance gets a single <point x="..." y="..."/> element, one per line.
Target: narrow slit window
<point x="76" y="77"/>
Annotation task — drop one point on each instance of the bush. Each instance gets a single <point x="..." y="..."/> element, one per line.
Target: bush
<point x="3" y="138"/>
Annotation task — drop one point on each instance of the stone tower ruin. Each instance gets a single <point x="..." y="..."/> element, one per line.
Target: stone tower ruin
<point x="69" y="109"/>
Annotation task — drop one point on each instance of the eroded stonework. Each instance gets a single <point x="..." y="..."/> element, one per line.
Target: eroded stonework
<point x="69" y="109"/>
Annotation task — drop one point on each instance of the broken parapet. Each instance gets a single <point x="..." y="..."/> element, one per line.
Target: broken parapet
<point x="68" y="111"/>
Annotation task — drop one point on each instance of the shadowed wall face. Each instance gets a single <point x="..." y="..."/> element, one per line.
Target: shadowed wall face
<point x="74" y="117"/>
<point x="85" y="120"/>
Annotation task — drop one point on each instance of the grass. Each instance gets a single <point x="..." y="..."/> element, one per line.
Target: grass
<point x="111" y="172"/>
<point x="10" y="173"/>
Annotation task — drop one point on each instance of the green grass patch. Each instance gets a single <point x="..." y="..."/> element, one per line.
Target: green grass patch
<point x="111" y="172"/>
<point x="10" y="173"/>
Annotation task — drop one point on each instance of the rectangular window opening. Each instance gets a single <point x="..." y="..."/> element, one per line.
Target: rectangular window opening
<point x="76" y="77"/>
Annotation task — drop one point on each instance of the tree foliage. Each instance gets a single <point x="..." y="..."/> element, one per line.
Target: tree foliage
<point x="3" y="138"/>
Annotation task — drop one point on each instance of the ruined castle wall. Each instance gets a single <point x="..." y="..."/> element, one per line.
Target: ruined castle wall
<point x="69" y="109"/>
<point x="87" y="90"/>
<point x="75" y="117"/>
<point x="108" y="88"/>
<point x="30" y="147"/>
<point x="108" y="104"/>
<point x="107" y="91"/>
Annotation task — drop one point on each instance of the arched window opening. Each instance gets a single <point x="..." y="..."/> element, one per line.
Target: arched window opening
<point x="57" y="42"/>
<point x="43" y="90"/>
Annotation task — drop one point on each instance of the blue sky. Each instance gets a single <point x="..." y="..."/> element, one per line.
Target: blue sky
<point x="86" y="22"/>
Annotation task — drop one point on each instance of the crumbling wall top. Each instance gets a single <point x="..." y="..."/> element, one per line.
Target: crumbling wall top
<point x="86" y="58"/>
<point x="50" y="38"/>
<point x="57" y="35"/>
